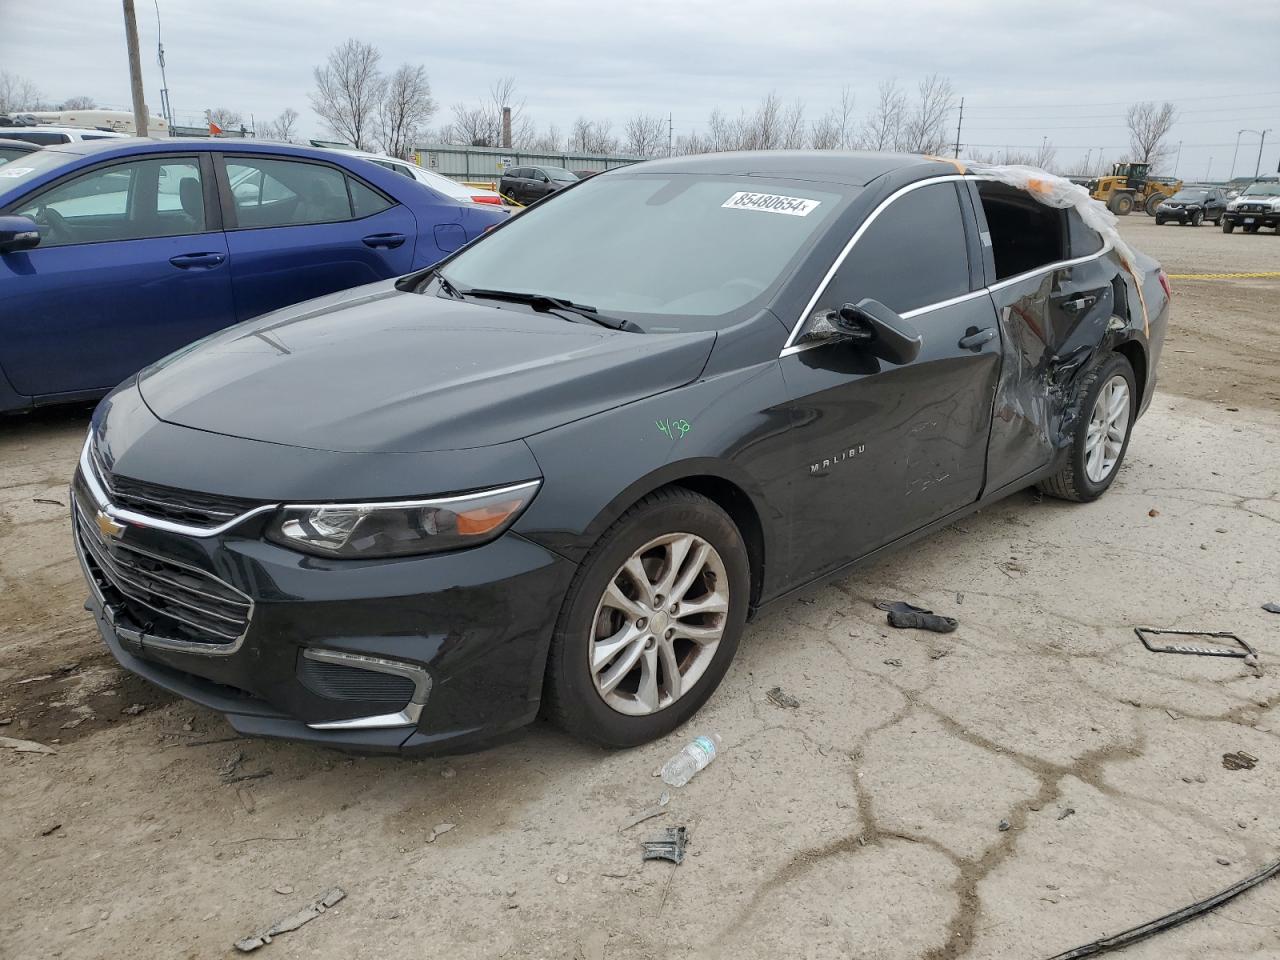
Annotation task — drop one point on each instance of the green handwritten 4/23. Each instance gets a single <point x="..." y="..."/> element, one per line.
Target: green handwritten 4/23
<point x="675" y="429"/>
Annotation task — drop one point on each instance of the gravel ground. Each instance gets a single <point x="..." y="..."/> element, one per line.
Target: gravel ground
<point x="864" y="823"/>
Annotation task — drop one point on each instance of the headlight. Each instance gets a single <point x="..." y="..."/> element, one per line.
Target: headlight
<point x="401" y="528"/>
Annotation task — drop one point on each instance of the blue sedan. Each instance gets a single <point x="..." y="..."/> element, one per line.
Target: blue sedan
<point x="115" y="253"/>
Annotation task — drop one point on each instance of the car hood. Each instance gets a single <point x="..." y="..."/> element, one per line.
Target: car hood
<point x="380" y="370"/>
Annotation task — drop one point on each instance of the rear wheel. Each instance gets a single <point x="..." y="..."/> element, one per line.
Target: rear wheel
<point x="1101" y="437"/>
<point x="650" y="623"/>
<point x="1121" y="204"/>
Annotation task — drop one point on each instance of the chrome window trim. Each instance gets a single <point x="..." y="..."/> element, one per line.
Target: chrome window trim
<point x="791" y="347"/>
<point x="103" y="502"/>
<point x="406" y="717"/>
<point x="415" y="504"/>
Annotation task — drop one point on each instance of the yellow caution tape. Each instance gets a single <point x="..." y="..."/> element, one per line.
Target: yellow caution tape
<point x="1224" y="276"/>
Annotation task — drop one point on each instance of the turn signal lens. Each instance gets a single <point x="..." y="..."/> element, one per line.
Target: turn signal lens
<point x="1164" y="282"/>
<point x="402" y="528"/>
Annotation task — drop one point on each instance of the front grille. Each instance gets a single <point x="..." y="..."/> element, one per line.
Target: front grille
<point x="340" y="682"/>
<point x="168" y="503"/>
<point x="171" y="599"/>
<point x="1253" y="208"/>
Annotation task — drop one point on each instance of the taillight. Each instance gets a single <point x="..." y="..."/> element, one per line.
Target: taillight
<point x="1164" y="282"/>
<point x="487" y="199"/>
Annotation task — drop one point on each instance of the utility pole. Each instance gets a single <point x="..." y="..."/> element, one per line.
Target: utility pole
<point x="959" y="123"/>
<point x="1178" y="159"/>
<point x="1207" y="169"/>
<point x="670" y="133"/>
<point x="166" y="110"/>
<point x="135" y="70"/>
<point x="1258" y="166"/>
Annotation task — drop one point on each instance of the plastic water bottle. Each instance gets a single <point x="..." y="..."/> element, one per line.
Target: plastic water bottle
<point x="680" y="769"/>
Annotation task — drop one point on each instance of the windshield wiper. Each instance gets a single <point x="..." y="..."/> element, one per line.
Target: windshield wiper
<point x="547" y="303"/>
<point x="445" y="285"/>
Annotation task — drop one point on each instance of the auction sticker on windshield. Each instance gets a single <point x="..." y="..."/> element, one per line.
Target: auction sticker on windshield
<point x="772" y="203"/>
<point x="16" y="171"/>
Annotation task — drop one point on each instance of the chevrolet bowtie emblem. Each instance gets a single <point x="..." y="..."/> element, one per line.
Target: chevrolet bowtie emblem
<point x="108" y="526"/>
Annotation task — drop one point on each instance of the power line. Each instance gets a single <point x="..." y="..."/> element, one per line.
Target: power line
<point x="1104" y="126"/>
<point x="1132" y="100"/>
<point x="1104" y="116"/>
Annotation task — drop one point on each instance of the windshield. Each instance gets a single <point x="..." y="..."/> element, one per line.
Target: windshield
<point x="668" y="252"/>
<point x="1261" y="188"/>
<point x="559" y="173"/>
<point x="13" y="176"/>
<point x="1190" y="194"/>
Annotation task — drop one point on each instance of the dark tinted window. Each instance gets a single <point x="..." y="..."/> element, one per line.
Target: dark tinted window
<point x="123" y="201"/>
<point x="912" y="255"/>
<point x="281" y="193"/>
<point x="366" y="201"/>
<point x="1025" y="234"/>
<point x="1084" y="240"/>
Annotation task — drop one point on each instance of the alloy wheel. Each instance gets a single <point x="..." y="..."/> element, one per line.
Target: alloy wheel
<point x="1108" y="427"/>
<point x="657" y="627"/>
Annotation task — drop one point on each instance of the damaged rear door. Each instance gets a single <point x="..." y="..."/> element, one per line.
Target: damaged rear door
<point x="1052" y="290"/>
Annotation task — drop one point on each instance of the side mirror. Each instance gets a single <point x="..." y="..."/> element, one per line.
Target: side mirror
<point x="879" y="330"/>
<point x="18" y="233"/>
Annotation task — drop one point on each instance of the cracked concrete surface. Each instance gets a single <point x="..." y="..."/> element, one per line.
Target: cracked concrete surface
<point x="864" y="824"/>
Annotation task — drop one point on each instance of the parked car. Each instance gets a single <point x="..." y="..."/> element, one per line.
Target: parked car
<point x="1193" y="205"/>
<point x="1258" y="205"/>
<point x="560" y="470"/>
<point x="115" y="253"/>
<point x="436" y="181"/>
<point x="49" y="136"/>
<point x="527" y="184"/>
<point x="15" y="150"/>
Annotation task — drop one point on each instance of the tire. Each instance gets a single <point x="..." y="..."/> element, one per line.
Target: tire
<point x="1152" y="202"/>
<point x="1227" y="226"/>
<point x="1121" y="204"/>
<point x="1250" y="228"/>
<point x="574" y="695"/>
<point x="1197" y="218"/>
<point x="1075" y="481"/>
<point x="1159" y="221"/>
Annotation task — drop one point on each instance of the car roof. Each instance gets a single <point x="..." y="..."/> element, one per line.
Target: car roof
<point x="834" y="166"/>
<point x="112" y="145"/>
<point x="49" y="128"/>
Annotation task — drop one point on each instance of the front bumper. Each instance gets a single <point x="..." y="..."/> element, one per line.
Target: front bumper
<point x="1249" y="218"/>
<point x="1181" y="214"/>
<point x="467" y="633"/>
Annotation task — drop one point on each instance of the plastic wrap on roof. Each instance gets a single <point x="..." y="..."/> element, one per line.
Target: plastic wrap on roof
<point x="1055" y="191"/>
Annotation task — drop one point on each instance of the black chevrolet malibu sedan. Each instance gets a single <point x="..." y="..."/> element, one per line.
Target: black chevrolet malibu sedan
<point x="560" y="471"/>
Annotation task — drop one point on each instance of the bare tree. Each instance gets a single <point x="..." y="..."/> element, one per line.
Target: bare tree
<point x="882" y="130"/>
<point x="78" y="103"/>
<point x="645" y="135"/>
<point x="925" y="130"/>
<point x="284" y="127"/>
<point x="1046" y="156"/>
<point x="18" y="93"/>
<point x="834" y="129"/>
<point x="480" y="125"/>
<point x="592" y="136"/>
<point x="349" y="88"/>
<point x="225" y="118"/>
<point x="549" y="141"/>
<point x="1148" y="126"/>
<point x="404" y="110"/>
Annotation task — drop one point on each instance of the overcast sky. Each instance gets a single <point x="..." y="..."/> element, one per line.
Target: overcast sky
<point x="1027" y="69"/>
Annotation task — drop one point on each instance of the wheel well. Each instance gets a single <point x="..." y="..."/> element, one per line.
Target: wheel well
<point x="734" y="501"/>
<point x="1132" y="351"/>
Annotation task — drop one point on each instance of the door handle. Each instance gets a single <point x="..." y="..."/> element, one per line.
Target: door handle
<point x="1078" y="304"/>
<point x="388" y="240"/>
<point x="185" y="261"/>
<point x="974" y="338"/>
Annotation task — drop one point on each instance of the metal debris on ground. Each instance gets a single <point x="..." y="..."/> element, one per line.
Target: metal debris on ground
<point x="25" y="746"/>
<point x="648" y="814"/>
<point x="135" y="709"/>
<point x="1066" y="813"/>
<point x="779" y="698"/>
<point x="1169" y="920"/>
<point x="242" y="777"/>
<point x="670" y="846"/>
<point x="1271" y="607"/>
<point x="1239" y="760"/>
<point x="1241" y="651"/>
<point x="293" y="921"/>
<point x="1003" y="826"/>
<point x="908" y="616"/>
<point x="51" y="829"/>
<point x="48" y="500"/>
<point x="439" y="830"/>
<point x="893" y="662"/>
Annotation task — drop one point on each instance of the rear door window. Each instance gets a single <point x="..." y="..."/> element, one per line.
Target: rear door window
<point x="272" y="192"/>
<point x="1085" y="241"/>
<point x="1025" y="234"/>
<point x="912" y="255"/>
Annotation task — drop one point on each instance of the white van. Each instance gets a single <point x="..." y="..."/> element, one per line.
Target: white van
<point x="48" y="136"/>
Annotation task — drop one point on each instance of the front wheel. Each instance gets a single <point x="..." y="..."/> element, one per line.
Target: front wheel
<point x="1109" y="394"/>
<point x="1197" y="218"/>
<point x="1121" y="204"/>
<point x="650" y="623"/>
<point x="1227" y="226"/>
<point x="1159" y="221"/>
